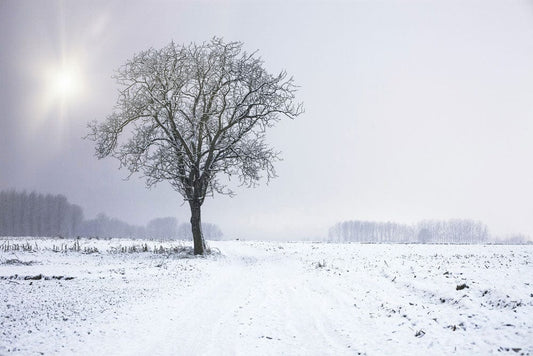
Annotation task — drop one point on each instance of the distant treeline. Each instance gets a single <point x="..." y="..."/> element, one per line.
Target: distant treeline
<point x="427" y="231"/>
<point x="160" y="228"/>
<point x="40" y="215"/>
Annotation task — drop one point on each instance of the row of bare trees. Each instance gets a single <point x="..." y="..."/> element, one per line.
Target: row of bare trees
<point x="40" y="215"/>
<point x="427" y="231"/>
<point x="33" y="214"/>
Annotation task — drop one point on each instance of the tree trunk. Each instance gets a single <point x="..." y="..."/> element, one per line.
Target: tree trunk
<point x="196" y="225"/>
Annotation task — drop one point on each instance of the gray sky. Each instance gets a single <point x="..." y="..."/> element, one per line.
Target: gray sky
<point x="414" y="109"/>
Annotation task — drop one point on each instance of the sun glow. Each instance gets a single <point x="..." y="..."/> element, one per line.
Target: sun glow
<point x="60" y="75"/>
<point x="59" y="95"/>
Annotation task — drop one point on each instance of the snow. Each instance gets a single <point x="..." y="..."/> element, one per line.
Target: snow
<point x="267" y="298"/>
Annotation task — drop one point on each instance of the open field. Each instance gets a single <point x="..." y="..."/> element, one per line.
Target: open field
<point x="120" y="297"/>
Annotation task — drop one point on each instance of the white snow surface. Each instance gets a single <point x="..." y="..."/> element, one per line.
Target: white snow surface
<point x="267" y="298"/>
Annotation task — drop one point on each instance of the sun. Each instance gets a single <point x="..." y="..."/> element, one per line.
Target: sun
<point x="64" y="82"/>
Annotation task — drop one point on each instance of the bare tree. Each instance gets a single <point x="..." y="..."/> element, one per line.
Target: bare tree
<point x="187" y="113"/>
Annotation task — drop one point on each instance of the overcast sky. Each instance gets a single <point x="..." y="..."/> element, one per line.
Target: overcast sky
<point x="414" y="109"/>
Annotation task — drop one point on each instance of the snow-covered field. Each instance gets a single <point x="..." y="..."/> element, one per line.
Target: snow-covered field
<point x="261" y="298"/>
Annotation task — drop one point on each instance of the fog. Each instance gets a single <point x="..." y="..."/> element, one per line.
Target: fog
<point x="414" y="110"/>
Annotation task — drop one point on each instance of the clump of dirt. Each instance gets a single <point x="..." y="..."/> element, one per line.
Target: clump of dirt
<point x="36" y="277"/>
<point x="461" y="286"/>
<point x="17" y="262"/>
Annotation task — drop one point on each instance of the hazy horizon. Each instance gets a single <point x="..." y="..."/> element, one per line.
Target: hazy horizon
<point x="414" y="110"/>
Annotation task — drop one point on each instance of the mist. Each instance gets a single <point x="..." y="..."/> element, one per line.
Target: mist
<point x="413" y="111"/>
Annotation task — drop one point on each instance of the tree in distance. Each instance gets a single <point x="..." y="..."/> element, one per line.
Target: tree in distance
<point x="188" y="114"/>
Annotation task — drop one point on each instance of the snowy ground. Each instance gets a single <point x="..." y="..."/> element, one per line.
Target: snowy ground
<point x="260" y="298"/>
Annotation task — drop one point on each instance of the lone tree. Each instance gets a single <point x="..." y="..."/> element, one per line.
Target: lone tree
<point x="189" y="113"/>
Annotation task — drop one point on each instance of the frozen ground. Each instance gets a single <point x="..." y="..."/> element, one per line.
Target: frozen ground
<point x="260" y="298"/>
